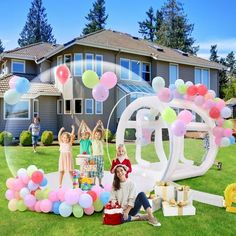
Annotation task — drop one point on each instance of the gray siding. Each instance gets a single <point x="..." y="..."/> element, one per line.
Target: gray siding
<point x="214" y="81"/>
<point x="186" y="73"/>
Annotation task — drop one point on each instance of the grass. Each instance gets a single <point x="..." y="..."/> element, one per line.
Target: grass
<point x="208" y="221"/>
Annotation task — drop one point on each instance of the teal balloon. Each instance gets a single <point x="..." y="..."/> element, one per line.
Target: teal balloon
<point x="98" y="206"/>
<point x="78" y="211"/>
<point x="12" y="97"/>
<point x="90" y="79"/>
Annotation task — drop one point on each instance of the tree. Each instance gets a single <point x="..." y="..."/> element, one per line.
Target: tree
<point x="36" y="28"/>
<point x="214" y="57"/>
<point x="1" y="46"/>
<point x="97" y="17"/>
<point x="231" y="63"/>
<point x="175" y="31"/>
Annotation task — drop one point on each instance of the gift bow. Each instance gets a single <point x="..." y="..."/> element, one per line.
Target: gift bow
<point x="180" y="205"/>
<point x="185" y="189"/>
<point x="162" y="183"/>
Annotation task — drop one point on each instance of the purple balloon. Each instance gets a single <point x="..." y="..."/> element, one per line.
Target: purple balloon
<point x="71" y="197"/>
<point x="29" y="200"/>
<point x="108" y="80"/>
<point x="100" y="93"/>
<point x="178" y="128"/>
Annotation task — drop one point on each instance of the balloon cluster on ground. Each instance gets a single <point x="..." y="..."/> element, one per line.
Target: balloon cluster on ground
<point x="100" y="88"/>
<point x="18" y="87"/>
<point x="28" y="190"/>
<point x="200" y="96"/>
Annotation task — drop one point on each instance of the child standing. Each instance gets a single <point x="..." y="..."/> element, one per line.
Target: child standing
<point x="34" y="128"/>
<point x="97" y="150"/>
<point x="83" y="138"/>
<point x="121" y="159"/>
<point x="65" y="160"/>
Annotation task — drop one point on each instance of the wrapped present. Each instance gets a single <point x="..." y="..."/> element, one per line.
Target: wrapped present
<point x="87" y="180"/>
<point x="112" y="214"/>
<point x="87" y="168"/>
<point x="165" y="190"/>
<point x="184" y="193"/>
<point x="155" y="202"/>
<point x="173" y="208"/>
<point x="81" y="159"/>
<point x="86" y="186"/>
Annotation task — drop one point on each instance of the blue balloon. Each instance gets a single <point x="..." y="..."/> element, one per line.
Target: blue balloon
<point x="22" y="85"/>
<point x="44" y="182"/>
<point x="65" y="210"/>
<point x="232" y="139"/>
<point x="55" y="207"/>
<point x="105" y="197"/>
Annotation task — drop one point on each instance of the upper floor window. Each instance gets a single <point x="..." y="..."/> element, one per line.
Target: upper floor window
<point x="124" y="68"/>
<point x="78" y="64"/>
<point x="98" y="107"/>
<point x="59" y="60"/>
<point x="202" y="76"/>
<point x="98" y="64"/>
<point x="88" y="106"/>
<point x="135" y="68"/>
<point x="146" y="71"/>
<point x="67" y="60"/>
<point x="89" y="61"/>
<point x="17" y="66"/>
<point x="174" y="73"/>
<point x="67" y="107"/>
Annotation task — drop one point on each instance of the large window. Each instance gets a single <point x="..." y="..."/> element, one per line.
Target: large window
<point x="78" y="64"/>
<point x="98" y="64"/>
<point x="174" y="73"/>
<point x="67" y="107"/>
<point x="35" y="107"/>
<point x="20" y="111"/>
<point x="59" y="60"/>
<point x="99" y="107"/>
<point x="146" y="71"/>
<point x="89" y="61"/>
<point x="78" y="106"/>
<point x="18" y="66"/>
<point x="59" y="107"/>
<point x="67" y="60"/>
<point x="124" y="69"/>
<point x="202" y="76"/>
<point x="88" y="106"/>
<point x="135" y="68"/>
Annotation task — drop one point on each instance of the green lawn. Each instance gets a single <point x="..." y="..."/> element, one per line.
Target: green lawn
<point x="208" y="221"/>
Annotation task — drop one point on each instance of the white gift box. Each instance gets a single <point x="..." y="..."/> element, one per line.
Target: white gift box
<point x="169" y="210"/>
<point x="155" y="203"/>
<point x="184" y="194"/>
<point x="81" y="158"/>
<point x="165" y="191"/>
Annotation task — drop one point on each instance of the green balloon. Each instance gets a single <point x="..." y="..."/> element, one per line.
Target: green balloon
<point x="39" y="195"/>
<point x="45" y="193"/>
<point x="77" y="211"/>
<point x="90" y="79"/>
<point x="182" y="89"/>
<point x="227" y="124"/>
<point x="98" y="206"/>
<point x="21" y="205"/>
<point x="169" y="115"/>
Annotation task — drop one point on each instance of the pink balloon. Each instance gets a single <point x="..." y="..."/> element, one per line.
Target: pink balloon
<point x="46" y="205"/>
<point x="178" y="128"/>
<point x="220" y="104"/>
<point x="29" y="200"/>
<point x="37" y="206"/>
<point x="228" y="132"/>
<point x="10" y="183"/>
<point x="164" y="94"/>
<point x="10" y="194"/>
<point x="107" y="187"/>
<point x="24" y="178"/>
<point x="18" y="184"/>
<point x="209" y="104"/>
<point x="220" y="121"/>
<point x="218" y="131"/>
<point x="71" y="197"/>
<point x="12" y="82"/>
<point x="63" y="73"/>
<point x="100" y="93"/>
<point x="79" y="191"/>
<point x="199" y="100"/>
<point x="17" y="195"/>
<point x="108" y="80"/>
<point x="186" y="116"/>
<point x="53" y="197"/>
<point x="61" y="194"/>
<point x="218" y="141"/>
<point x="97" y="189"/>
<point x="89" y="211"/>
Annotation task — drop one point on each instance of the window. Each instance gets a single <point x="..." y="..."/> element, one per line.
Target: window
<point x="98" y="65"/>
<point x="59" y="107"/>
<point x="67" y="107"/>
<point x="89" y="61"/>
<point x="20" y="111"/>
<point x="174" y="73"/>
<point x="146" y="71"/>
<point x="78" y="106"/>
<point x="35" y="108"/>
<point x="78" y="64"/>
<point x="135" y="68"/>
<point x="202" y="76"/>
<point x="18" y="66"/>
<point x="59" y="60"/>
<point x="99" y="107"/>
<point x="124" y="69"/>
<point x="88" y="106"/>
<point x="67" y="60"/>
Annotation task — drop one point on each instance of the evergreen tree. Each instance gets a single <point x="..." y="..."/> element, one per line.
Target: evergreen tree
<point x="97" y="17"/>
<point x="175" y="31"/>
<point x="231" y="63"/>
<point x="214" y="57"/>
<point x="36" y="28"/>
<point x="1" y="46"/>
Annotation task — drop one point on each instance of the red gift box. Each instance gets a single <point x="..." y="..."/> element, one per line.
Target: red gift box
<point x="112" y="214"/>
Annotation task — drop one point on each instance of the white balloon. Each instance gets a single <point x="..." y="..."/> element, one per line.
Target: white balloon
<point x="189" y="83"/>
<point x="11" y="97"/>
<point x="226" y="112"/>
<point x="179" y="82"/>
<point x="158" y="83"/>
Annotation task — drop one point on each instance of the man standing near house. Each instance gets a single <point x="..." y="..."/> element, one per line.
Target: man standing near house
<point x="34" y="128"/>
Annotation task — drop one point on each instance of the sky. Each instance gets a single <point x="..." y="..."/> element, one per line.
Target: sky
<point x="214" y="20"/>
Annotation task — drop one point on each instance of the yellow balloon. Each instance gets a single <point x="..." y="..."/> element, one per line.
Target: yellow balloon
<point x="90" y="79"/>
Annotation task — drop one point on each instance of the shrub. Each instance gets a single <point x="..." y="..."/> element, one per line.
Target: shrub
<point x="5" y="138"/>
<point x="108" y="136"/>
<point x="25" y="138"/>
<point x="130" y="134"/>
<point x="47" y="137"/>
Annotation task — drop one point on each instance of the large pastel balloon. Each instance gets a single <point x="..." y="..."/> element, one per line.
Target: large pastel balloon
<point x="93" y="195"/>
<point x="228" y="132"/>
<point x="32" y="186"/>
<point x="22" y="85"/>
<point x="23" y="192"/>
<point x="39" y="194"/>
<point x="10" y="183"/>
<point x="65" y="210"/>
<point x="12" y="205"/>
<point x="62" y="73"/>
<point x="46" y="206"/>
<point x="158" y="83"/>
<point x="232" y="139"/>
<point x="189" y="83"/>
<point x="85" y="200"/>
<point x="90" y="79"/>
<point x="199" y="100"/>
<point x="12" y="97"/>
<point x="227" y="124"/>
<point x="226" y="112"/>
<point x="55" y="207"/>
<point x="104" y="197"/>
<point x="44" y="182"/>
<point x="100" y="93"/>
<point x="21" y="206"/>
<point x="89" y="211"/>
<point x="214" y="113"/>
<point x="71" y="197"/>
<point x="37" y="177"/>
<point x="52" y="196"/>
<point x="169" y="115"/>
<point x="29" y="200"/>
<point x="186" y="116"/>
<point x="178" y="128"/>
<point x="97" y="189"/>
<point x="37" y="206"/>
<point x="21" y="172"/>
<point x="108" y="80"/>
<point x="18" y="184"/>
<point x="98" y="206"/>
<point x="10" y="194"/>
<point x="12" y="82"/>
<point x="164" y="94"/>
<point x="77" y="211"/>
<point x="218" y="131"/>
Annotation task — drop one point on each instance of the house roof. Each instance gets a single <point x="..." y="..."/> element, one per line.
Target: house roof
<point x="231" y="102"/>
<point x="36" y="89"/>
<point x="30" y="52"/>
<point x="122" y="42"/>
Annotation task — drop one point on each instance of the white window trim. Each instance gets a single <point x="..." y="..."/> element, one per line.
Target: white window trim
<point x="28" y="118"/>
<point x="101" y="62"/>
<point x="81" y="99"/>
<point x="89" y="54"/>
<point x="150" y="65"/>
<point x="125" y="59"/>
<point x="59" y="58"/>
<point x="173" y="64"/>
<point x="82" y="66"/>
<point x="58" y="102"/>
<point x="140" y="77"/>
<point x="86" y="106"/>
<point x="201" y="69"/>
<point x="15" y="60"/>
<point x="37" y="101"/>
<point x="65" y="107"/>
<point x="97" y="106"/>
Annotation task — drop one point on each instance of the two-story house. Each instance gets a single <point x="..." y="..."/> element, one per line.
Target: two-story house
<point x="135" y="61"/>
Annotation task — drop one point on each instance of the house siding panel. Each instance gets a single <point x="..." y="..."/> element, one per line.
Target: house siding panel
<point x="163" y="70"/>
<point x="186" y="73"/>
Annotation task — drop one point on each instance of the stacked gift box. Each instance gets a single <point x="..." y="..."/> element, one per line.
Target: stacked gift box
<point x="176" y="201"/>
<point x="155" y="201"/>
